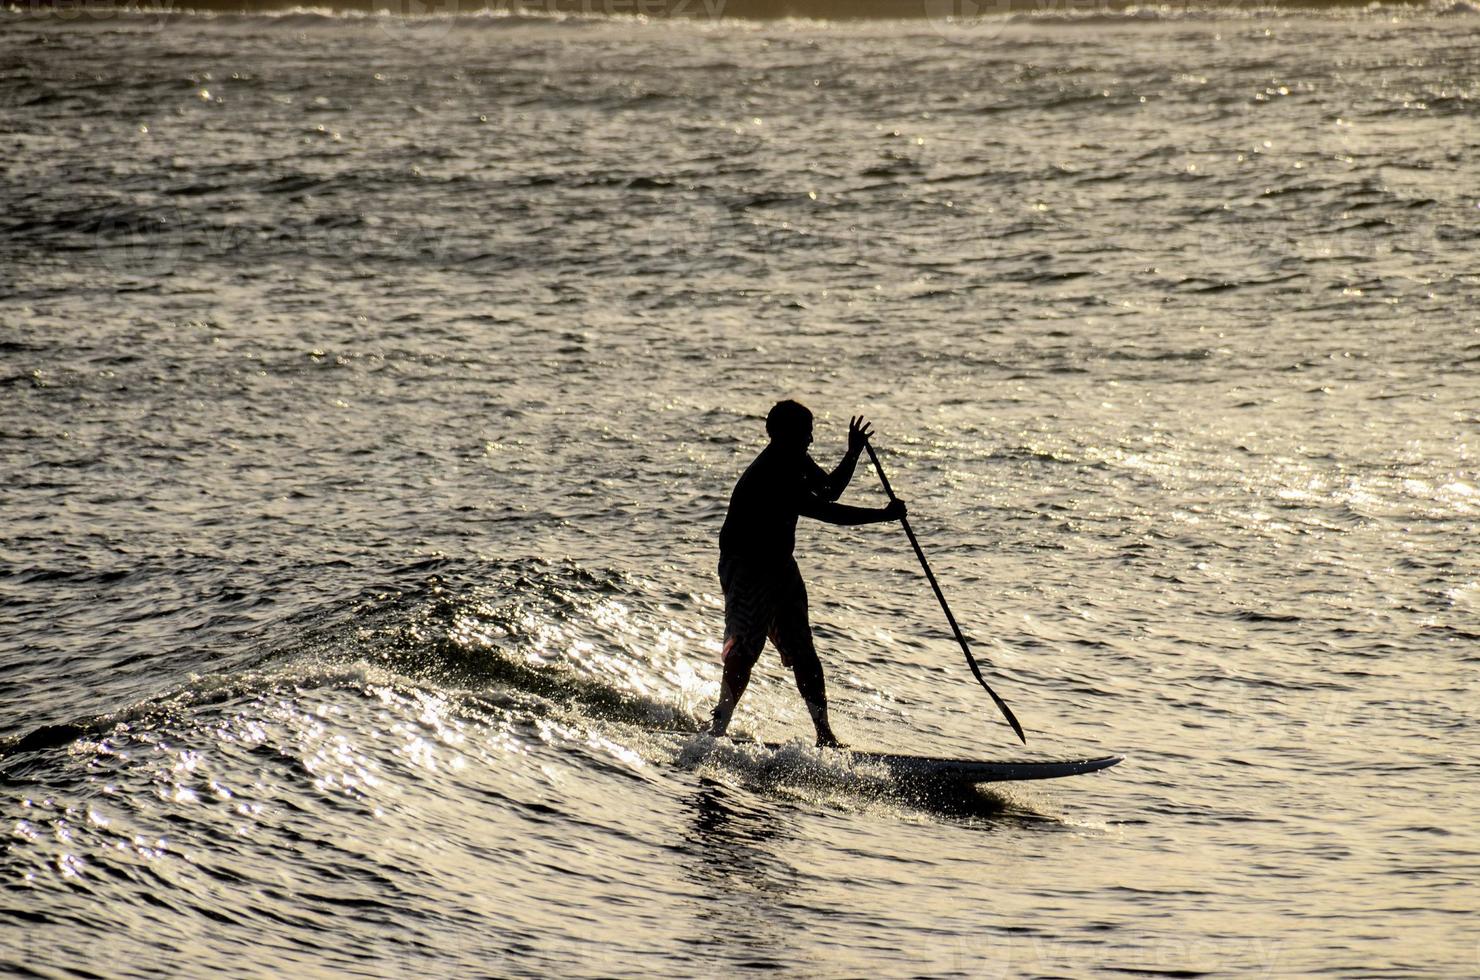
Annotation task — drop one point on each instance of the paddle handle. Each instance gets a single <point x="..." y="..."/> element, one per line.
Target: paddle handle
<point x="945" y="606"/>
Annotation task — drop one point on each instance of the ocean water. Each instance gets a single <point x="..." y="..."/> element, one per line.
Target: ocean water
<point x="372" y="393"/>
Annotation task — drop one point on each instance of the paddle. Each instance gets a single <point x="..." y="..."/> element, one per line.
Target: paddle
<point x="970" y="660"/>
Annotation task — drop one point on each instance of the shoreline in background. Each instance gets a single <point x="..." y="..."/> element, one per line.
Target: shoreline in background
<point x="934" y="10"/>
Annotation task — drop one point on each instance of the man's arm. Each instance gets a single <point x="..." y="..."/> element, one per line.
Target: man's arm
<point x="832" y="485"/>
<point x="848" y="516"/>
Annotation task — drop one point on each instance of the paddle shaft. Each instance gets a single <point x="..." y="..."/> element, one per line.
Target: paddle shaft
<point x="945" y="607"/>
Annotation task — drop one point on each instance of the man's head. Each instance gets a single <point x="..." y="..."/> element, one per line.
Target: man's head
<point x="789" y="424"/>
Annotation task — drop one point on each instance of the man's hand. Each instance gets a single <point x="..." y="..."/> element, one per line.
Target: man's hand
<point x="858" y="433"/>
<point x="895" y="510"/>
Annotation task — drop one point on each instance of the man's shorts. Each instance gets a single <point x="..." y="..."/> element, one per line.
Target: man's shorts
<point x="765" y="599"/>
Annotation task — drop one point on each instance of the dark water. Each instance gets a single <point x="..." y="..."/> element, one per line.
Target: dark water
<point x="372" y="391"/>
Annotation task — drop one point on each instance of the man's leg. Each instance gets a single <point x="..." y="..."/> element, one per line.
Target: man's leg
<point x="807" y="669"/>
<point x="740" y="656"/>
<point x="792" y="636"/>
<point x="748" y="613"/>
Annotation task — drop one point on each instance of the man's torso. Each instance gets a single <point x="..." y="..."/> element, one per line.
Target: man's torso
<point x="761" y="522"/>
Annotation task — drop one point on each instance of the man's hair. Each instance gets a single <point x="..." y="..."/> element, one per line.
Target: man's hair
<point x="787" y="416"/>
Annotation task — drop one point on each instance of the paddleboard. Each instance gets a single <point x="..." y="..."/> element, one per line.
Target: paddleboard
<point x="938" y="769"/>
<point x="983" y="771"/>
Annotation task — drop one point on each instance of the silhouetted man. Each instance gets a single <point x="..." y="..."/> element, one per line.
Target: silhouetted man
<point x="764" y="594"/>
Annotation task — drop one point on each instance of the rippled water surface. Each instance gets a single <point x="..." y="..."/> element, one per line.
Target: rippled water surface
<point x="373" y="389"/>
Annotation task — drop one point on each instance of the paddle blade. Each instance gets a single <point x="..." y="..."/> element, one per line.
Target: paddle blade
<point x="1007" y="713"/>
<point x="1001" y="704"/>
